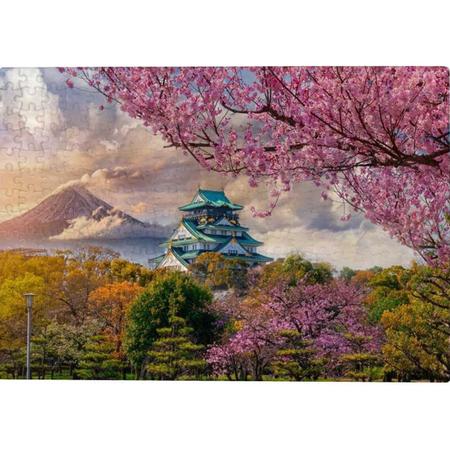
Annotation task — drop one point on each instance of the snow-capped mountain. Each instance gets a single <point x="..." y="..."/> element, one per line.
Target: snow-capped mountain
<point x="75" y="213"/>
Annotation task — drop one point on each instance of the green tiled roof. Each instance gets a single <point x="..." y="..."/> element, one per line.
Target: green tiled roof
<point x="217" y="240"/>
<point x="251" y="255"/>
<point x="225" y="244"/>
<point x="175" y="253"/>
<point x="207" y="226"/>
<point x="246" y="239"/>
<point x="179" y="257"/>
<point x="256" y="257"/>
<point x="214" y="196"/>
<point x="157" y="259"/>
<point x="191" y="227"/>
<point x="215" y="199"/>
<point x="191" y="255"/>
<point x="178" y="242"/>
<point x="198" y="236"/>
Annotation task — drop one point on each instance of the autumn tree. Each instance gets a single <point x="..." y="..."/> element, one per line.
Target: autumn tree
<point x="362" y="277"/>
<point x="218" y="272"/>
<point x="84" y="270"/>
<point x="418" y="332"/>
<point x="13" y="318"/>
<point x="292" y="269"/>
<point x="110" y="305"/>
<point x="123" y="270"/>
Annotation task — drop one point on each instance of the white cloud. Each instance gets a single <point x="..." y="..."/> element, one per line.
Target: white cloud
<point x="109" y="227"/>
<point x="27" y="102"/>
<point x="139" y="208"/>
<point x="357" y="248"/>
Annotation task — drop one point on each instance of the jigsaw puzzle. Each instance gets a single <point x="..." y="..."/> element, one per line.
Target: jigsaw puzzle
<point x="225" y="223"/>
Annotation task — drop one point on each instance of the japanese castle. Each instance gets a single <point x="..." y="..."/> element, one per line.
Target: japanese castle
<point x="210" y="223"/>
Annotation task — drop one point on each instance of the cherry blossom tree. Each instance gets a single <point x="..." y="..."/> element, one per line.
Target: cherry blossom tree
<point x="377" y="137"/>
<point x="329" y="318"/>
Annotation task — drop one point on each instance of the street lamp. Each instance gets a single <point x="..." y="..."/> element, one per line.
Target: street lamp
<point x="29" y="300"/>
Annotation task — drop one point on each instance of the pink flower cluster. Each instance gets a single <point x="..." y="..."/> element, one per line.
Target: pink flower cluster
<point x="328" y="316"/>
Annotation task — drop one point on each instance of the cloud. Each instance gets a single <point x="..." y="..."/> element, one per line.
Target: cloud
<point x="103" y="176"/>
<point x="112" y="226"/>
<point x="139" y="208"/>
<point x="27" y="105"/>
<point x="357" y="248"/>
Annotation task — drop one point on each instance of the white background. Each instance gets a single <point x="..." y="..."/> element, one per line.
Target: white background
<point x="220" y="415"/>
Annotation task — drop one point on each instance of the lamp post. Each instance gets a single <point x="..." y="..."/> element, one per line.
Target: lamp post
<point x="29" y="300"/>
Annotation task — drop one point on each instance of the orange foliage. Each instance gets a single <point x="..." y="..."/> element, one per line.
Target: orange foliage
<point x="109" y="304"/>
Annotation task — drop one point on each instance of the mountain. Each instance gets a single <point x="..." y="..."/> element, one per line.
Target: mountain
<point x="75" y="213"/>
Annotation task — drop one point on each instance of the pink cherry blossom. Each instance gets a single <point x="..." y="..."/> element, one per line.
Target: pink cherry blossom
<point x="327" y="315"/>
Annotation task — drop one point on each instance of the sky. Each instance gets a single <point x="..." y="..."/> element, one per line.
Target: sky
<point x="52" y="136"/>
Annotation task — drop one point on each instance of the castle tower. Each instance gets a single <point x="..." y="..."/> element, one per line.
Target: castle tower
<point x="210" y="223"/>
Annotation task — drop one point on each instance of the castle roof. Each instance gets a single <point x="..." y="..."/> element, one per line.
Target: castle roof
<point x="213" y="199"/>
<point x="196" y="235"/>
<point x="173" y="251"/>
<point x="215" y="227"/>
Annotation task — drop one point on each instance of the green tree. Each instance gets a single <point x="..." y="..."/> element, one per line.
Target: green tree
<point x="174" y="355"/>
<point x="64" y="345"/>
<point x="293" y="268"/>
<point x="296" y="359"/>
<point x="389" y="289"/>
<point x="347" y="273"/>
<point x="359" y="364"/>
<point x="169" y="294"/>
<point x="97" y="360"/>
<point x="362" y="366"/>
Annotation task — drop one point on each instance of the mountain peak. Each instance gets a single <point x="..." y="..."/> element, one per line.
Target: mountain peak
<point x="74" y="188"/>
<point x="66" y="207"/>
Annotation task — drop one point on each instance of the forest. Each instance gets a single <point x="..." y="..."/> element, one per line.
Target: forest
<point x="97" y="316"/>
